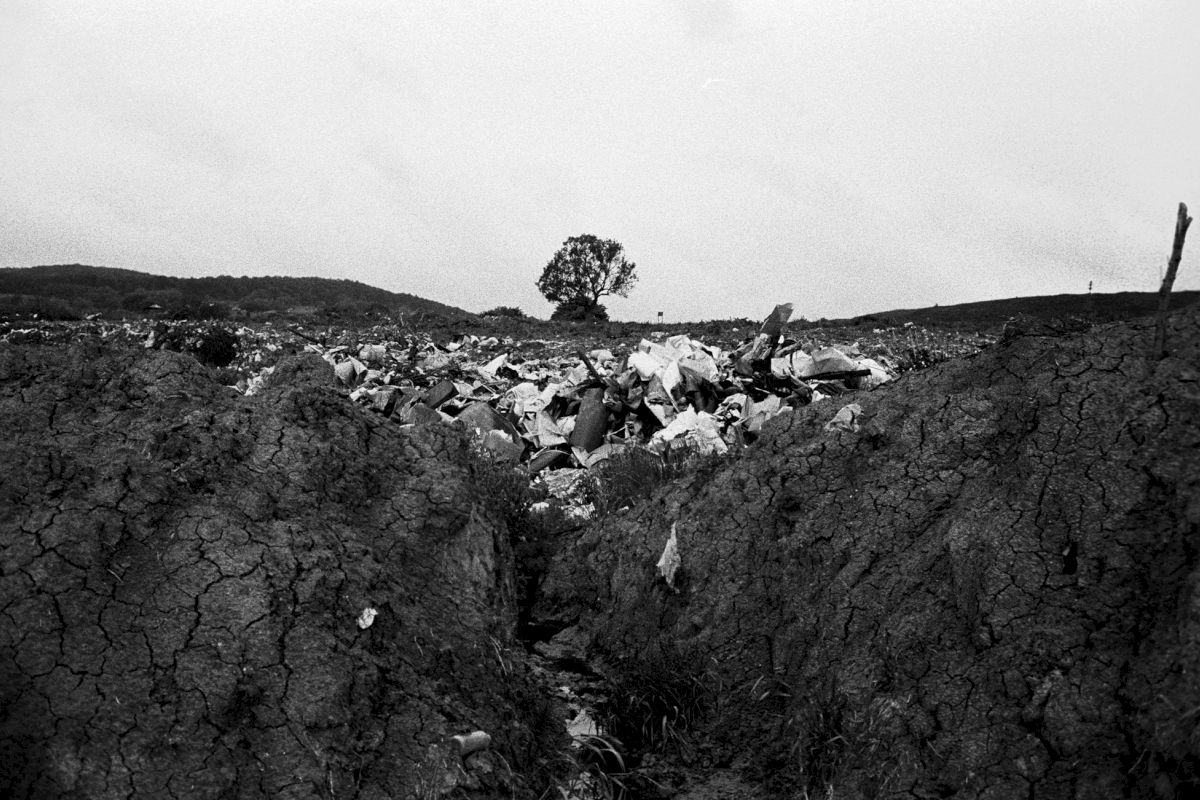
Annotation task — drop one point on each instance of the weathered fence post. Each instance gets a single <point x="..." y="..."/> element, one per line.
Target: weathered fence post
<point x="1182" y="222"/>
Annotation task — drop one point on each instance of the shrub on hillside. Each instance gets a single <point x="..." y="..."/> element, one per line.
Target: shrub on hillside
<point x="505" y="311"/>
<point x="203" y="310"/>
<point x="46" y="308"/>
<point x="573" y="312"/>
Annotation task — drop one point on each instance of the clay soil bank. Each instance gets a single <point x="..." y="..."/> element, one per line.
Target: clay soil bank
<point x="981" y="587"/>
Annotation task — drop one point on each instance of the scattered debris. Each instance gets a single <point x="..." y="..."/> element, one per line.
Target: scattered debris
<point x="472" y="742"/>
<point x="669" y="563"/>
<point x="582" y="726"/>
<point x="845" y="419"/>
<point x="579" y="409"/>
<point x="546" y="405"/>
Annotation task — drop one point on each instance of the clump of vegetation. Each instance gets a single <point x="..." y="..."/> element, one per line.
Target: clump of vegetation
<point x="22" y="306"/>
<point x="532" y="519"/>
<point x="657" y="699"/>
<point x="920" y="356"/>
<point x="540" y="752"/>
<point x="577" y="312"/>
<point x="505" y="311"/>
<point x="910" y="347"/>
<point x="633" y="474"/>
<point x="819" y="738"/>
<point x="593" y="769"/>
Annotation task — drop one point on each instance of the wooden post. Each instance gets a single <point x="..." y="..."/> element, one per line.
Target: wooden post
<point x="1164" y="292"/>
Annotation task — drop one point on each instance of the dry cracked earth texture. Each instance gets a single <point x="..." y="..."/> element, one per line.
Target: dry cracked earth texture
<point x="987" y="590"/>
<point x="182" y="574"/>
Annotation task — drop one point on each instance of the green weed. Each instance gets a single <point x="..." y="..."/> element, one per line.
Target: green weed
<point x="635" y="473"/>
<point x="585" y="778"/>
<point x="822" y="739"/>
<point x="505" y="311"/>
<point x="658" y="699"/>
<point x="532" y="520"/>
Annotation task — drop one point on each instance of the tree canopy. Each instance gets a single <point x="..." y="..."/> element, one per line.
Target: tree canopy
<point x="585" y="269"/>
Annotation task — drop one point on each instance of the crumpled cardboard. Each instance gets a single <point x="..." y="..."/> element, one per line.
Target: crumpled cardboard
<point x="846" y="419"/>
<point x="576" y="410"/>
<point x="498" y="435"/>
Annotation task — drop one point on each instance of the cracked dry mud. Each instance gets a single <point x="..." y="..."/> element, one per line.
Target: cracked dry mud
<point x="988" y="590"/>
<point x="985" y="591"/>
<point x="183" y="570"/>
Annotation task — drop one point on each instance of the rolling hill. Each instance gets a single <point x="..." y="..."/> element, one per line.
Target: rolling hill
<point x="1099" y="307"/>
<point x="66" y="290"/>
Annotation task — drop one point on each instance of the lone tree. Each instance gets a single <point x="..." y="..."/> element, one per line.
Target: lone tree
<point x="583" y="270"/>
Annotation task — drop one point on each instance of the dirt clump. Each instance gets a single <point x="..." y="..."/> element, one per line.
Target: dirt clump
<point x="979" y="583"/>
<point x="188" y="580"/>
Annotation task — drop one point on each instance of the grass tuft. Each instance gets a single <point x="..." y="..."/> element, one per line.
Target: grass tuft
<point x="633" y="475"/>
<point x="533" y="521"/>
<point x="824" y="739"/>
<point x="657" y="699"/>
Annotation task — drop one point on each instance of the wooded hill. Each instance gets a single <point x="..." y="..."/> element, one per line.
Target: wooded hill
<point x="69" y="291"/>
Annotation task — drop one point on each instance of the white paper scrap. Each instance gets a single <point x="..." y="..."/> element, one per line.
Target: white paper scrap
<point x="669" y="563"/>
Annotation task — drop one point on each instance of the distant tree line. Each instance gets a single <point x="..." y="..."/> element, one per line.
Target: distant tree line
<point x="72" y="291"/>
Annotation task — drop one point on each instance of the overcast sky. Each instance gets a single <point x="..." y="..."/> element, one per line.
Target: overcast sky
<point x="848" y="156"/>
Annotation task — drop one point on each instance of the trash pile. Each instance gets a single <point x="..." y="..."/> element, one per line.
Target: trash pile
<point x="577" y="411"/>
<point x="537" y="403"/>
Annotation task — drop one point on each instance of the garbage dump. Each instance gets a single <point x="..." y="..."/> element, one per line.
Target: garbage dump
<point x="539" y="404"/>
<point x="577" y="411"/>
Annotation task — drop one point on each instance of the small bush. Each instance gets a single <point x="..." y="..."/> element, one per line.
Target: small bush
<point x="542" y="753"/>
<point x="209" y="311"/>
<point x="504" y="489"/>
<point x="825" y="740"/>
<point x="573" y="312"/>
<point x="259" y="301"/>
<point x="633" y="474"/>
<point x="43" y="308"/>
<point x="656" y="698"/>
<point x="533" y="532"/>
<point x="505" y="311"/>
<point x="227" y="376"/>
<point x="822" y="741"/>
<point x="920" y="356"/>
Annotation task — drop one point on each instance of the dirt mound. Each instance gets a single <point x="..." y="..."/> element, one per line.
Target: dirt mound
<point x="185" y="576"/>
<point x="980" y="586"/>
